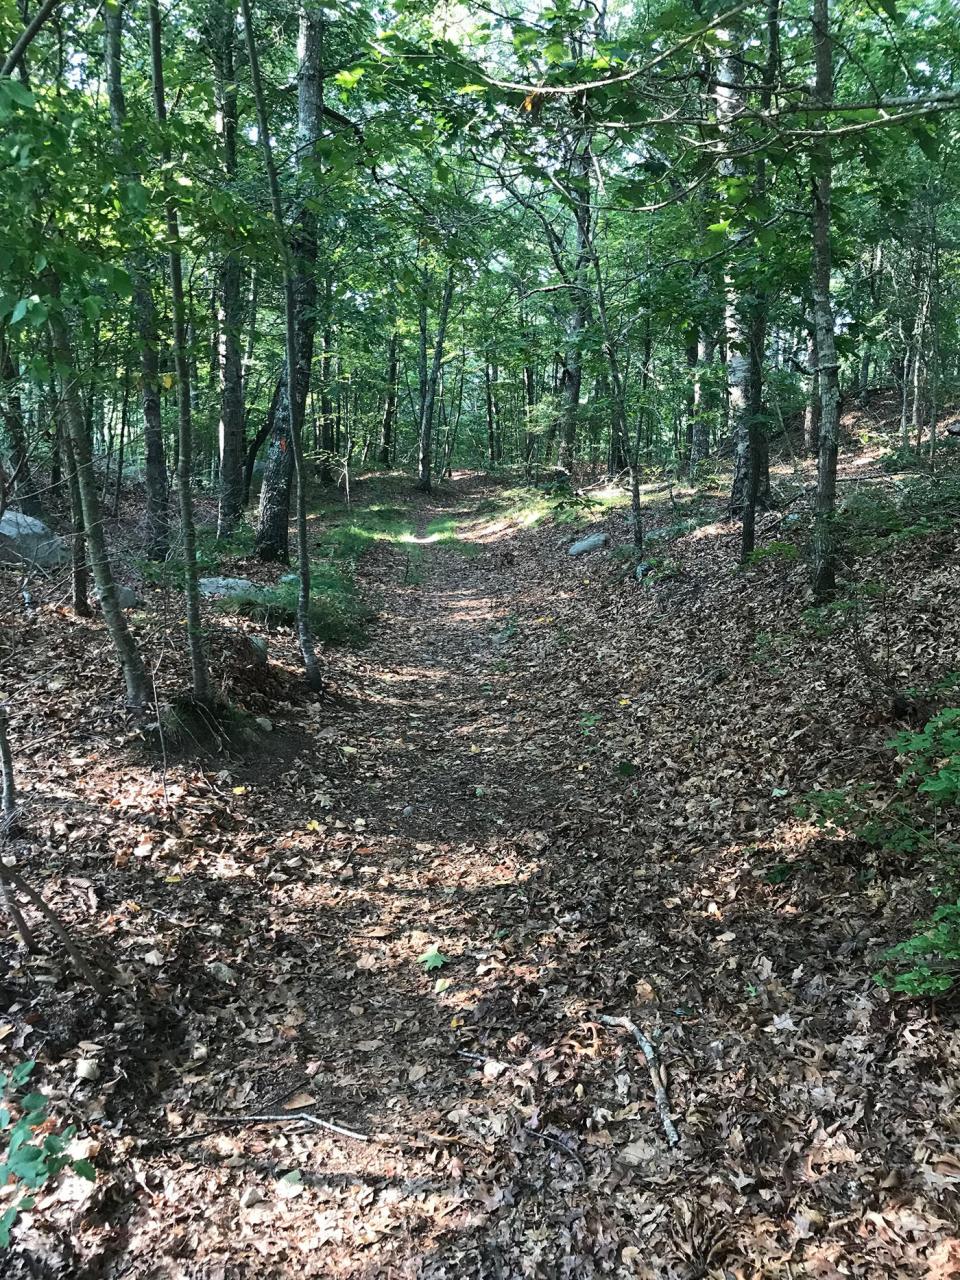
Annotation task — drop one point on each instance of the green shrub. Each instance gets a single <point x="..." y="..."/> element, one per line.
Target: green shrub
<point x="337" y="614"/>
<point x="785" y="551"/>
<point x="928" y="963"/>
<point x="30" y="1158"/>
<point x="935" y="767"/>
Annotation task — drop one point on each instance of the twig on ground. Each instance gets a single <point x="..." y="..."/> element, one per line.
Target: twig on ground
<point x="659" y="1092"/>
<point x="224" y="1122"/>
<point x="569" y="1151"/>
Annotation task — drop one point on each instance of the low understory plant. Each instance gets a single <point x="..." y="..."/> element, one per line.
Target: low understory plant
<point x="920" y="823"/>
<point x="32" y="1152"/>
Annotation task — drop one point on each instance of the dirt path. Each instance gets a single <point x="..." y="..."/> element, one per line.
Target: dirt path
<point x="539" y="795"/>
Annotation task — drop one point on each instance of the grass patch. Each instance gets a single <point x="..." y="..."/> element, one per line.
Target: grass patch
<point x="337" y="614"/>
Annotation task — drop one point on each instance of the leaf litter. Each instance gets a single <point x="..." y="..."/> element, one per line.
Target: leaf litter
<point x="462" y="806"/>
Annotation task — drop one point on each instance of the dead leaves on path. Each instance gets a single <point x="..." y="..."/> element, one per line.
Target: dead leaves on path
<point x="592" y="817"/>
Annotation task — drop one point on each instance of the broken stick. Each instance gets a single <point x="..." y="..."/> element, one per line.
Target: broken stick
<point x="659" y="1092"/>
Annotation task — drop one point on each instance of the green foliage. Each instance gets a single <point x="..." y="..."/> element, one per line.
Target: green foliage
<point x="879" y="519"/>
<point x="31" y="1157"/>
<point x="337" y="613"/>
<point x="783" y="551"/>
<point x="433" y="958"/>
<point x="928" y="963"/>
<point x="934" y="757"/>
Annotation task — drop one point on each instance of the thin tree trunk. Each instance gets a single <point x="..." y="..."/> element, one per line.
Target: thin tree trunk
<point x="292" y="341"/>
<point x="79" y="588"/>
<point x="824" y="542"/>
<point x="390" y="403"/>
<point x="134" y="672"/>
<point x="24" y="485"/>
<point x="198" y="662"/>
<point x="811" y="415"/>
<point x="424" y="480"/>
<point x="145" y="318"/>
<point x="229" y="300"/>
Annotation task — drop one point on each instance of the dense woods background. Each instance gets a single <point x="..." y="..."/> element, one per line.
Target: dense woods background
<point x="335" y="341"/>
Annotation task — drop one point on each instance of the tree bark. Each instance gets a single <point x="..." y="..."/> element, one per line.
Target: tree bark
<point x="424" y="454"/>
<point x="229" y="294"/>
<point x="310" y="36"/>
<point x="274" y="519"/>
<point x="131" y="664"/>
<point x="824" y="542"/>
<point x="198" y="662"/>
<point x="811" y="416"/>
<point x="390" y="403"/>
<point x="24" y="486"/>
<point x="145" y="318"/>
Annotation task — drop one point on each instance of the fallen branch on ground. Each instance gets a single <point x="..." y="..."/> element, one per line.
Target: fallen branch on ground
<point x="224" y="1122"/>
<point x="659" y="1092"/>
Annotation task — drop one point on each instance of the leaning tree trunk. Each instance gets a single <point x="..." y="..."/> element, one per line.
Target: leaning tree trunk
<point x="145" y="318"/>
<point x="824" y="540"/>
<point x="198" y="662"/>
<point x="134" y="672"/>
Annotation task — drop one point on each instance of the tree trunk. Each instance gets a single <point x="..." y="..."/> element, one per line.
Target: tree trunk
<point x="703" y="402"/>
<point x="145" y="317"/>
<point x="811" y="416"/>
<point x="229" y="301"/>
<point x="424" y="455"/>
<point x="79" y="587"/>
<point x="273" y="525"/>
<point x="198" y="662"/>
<point x="310" y="34"/>
<point x="824" y="543"/>
<point x="390" y="404"/>
<point x="131" y="664"/>
<point x="24" y="487"/>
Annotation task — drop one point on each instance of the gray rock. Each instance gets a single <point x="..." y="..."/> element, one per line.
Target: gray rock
<point x="264" y="723"/>
<point x="592" y="543"/>
<point x="642" y="570"/>
<point x="791" y="520"/>
<point x="260" y="646"/>
<point x="228" y="587"/>
<point x="26" y="541"/>
<point x="289" y="577"/>
<point x="126" y="596"/>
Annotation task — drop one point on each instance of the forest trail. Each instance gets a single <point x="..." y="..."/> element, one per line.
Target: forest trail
<point x="516" y="813"/>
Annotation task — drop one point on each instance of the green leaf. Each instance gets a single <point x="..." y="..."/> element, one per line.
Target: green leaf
<point x="433" y="959"/>
<point x="626" y="769"/>
<point x="18" y="93"/>
<point x="85" y="1169"/>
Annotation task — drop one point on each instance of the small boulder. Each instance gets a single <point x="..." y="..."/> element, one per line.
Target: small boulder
<point x="26" y="541"/>
<point x="585" y="545"/>
<point x="127" y="598"/>
<point x="642" y="570"/>
<point x="289" y="578"/>
<point x="228" y="587"/>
